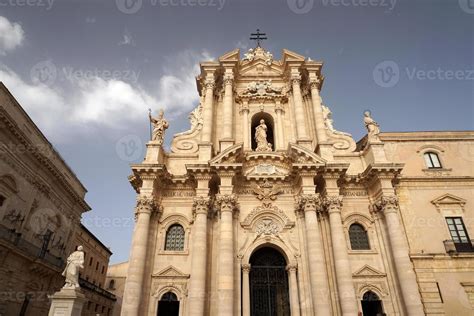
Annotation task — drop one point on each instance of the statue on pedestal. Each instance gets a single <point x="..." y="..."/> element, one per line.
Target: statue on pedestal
<point x="160" y="124"/>
<point x="75" y="261"/>
<point x="372" y="126"/>
<point x="261" y="137"/>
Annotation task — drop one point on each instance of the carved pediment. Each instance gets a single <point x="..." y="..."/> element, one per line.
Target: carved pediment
<point x="448" y="199"/>
<point x="230" y="156"/>
<point x="301" y="155"/>
<point x="368" y="272"/>
<point x="170" y="272"/>
<point x="233" y="55"/>
<point x="266" y="212"/>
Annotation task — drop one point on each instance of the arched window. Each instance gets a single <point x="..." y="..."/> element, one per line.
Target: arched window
<point x="432" y="160"/>
<point x="358" y="237"/>
<point x="371" y="304"/>
<point x="175" y="238"/>
<point x="112" y="284"/>
<point x="169" y="297"/>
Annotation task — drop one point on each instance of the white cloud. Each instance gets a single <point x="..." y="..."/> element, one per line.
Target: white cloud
<point x="93" y="104"/>
<point x="11" y="35"/>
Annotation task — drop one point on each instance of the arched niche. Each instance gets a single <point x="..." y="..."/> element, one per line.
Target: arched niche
<point x="270" y="128"/>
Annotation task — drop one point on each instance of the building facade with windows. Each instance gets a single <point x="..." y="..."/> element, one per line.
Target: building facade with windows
<point x="92" y="277"/>
<point x="264" y="208"/>
<point x="41" y="204"/>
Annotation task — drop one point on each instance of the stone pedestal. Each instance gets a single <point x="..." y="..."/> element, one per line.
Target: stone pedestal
<point x="154" y="152"/>
<point x="67" y="302"/>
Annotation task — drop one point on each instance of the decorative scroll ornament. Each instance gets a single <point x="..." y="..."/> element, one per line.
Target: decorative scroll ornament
<point x="187" y="142"/>
<point x="328" y="122"/>
<point x="252" y="54"/>
<point x="386" y="204"/>
<point x="201" y="205"/>
<point x="160" y="124"/>
<point x="333" y="203"/>
<point x="309" y="202"/>
<point x="267" y="227"/>
<point x="372" y="126"/>
<point x="226" y="202"/>
<point x="266" y="191"/>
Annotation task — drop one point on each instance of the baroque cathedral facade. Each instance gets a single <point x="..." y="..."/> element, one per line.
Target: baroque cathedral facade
<point x="263" y="208"/>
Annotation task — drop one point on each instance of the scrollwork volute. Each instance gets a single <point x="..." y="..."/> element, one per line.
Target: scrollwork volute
<point x="146" y="204"/>
<point x="386" y="204"/>
<point x="201" y="205"/>
<point x="333" y="203"/>
<point x="209" y="83"/>
<point x="226" y="202"/>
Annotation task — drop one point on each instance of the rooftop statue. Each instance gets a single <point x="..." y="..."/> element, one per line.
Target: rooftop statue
<point x="160" y="124"/>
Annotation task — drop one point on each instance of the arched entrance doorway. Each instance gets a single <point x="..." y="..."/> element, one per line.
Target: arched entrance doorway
<point x="371" y="304"/>
<point x="168" y="305"/>
<point x="268" y="284"/>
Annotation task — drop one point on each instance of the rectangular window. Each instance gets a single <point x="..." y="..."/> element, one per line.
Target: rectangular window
<point x="432" y="160"/>
<point x="459" y="234"/>
<point x="90" y="261"/>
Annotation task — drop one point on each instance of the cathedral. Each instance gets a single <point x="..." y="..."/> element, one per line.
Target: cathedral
<point x="264" y="208"/>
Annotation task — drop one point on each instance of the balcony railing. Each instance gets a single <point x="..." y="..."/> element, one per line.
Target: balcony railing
<point x="456" y="247"/>
<point x="14" y="238"/>
<point x="92" y="287"/>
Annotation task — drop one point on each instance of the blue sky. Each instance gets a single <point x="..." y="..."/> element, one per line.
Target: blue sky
<point x="87" y="72"/>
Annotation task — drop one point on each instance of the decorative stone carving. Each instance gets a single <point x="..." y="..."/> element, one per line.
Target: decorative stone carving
<point x="201" y="205"/>
<point x="246" y="268"/>
<point x="226" y="202"/>
<point x="372" y="126"/>
<point x="266" y="191"/>
<point x="267" y="212"/>
<point x="258" y="52"/>
<point x="267" y="227"/>
<point x="386" y="204"/>
<point x="262" y="90"/>
<point x="292" y="267"/>
<point x="145" y="204"/>
<point x="309" y="202"/>
<point x="261" y="137"/>
<point x="328" y="122"/>
<point x="160" y="124"/>
<point x="333" y="203"/>
<point x="75" y="261"/>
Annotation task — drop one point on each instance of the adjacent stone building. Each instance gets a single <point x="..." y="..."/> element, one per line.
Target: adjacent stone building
<point x="41" y="204"/>
<point x="93" y="277"/>
<point x="264" y="208"/>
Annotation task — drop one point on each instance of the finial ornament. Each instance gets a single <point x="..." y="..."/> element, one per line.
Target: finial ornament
<point x="75" y="261"/>
<point x="160" y="124"/>
<point x="372" y="126"/>
<point x="258" y="37"/>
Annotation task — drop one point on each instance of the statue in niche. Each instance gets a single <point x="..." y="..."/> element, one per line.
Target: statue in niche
<point x="372" y="126"/>
<point x="75" y="261"/>
<point x="160" y="124"/>
<point x="261" y="137"/>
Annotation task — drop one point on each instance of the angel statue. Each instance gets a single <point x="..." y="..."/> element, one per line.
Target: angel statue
<point x="75" y="261"/>
<point x="372" y="126"/>
<point x="160" y="124"/>
<point x="261" y="137"/>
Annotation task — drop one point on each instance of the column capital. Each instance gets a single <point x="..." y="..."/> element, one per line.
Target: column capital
<point x="309" y="202"/>
<point x="228" y="79"/>
<point x="292" y="268"/>
<point x="226" y="202"/>
<point x="386" y="204"/>
<point x="146" y="204"/>
<point x="245" y="267"/>
<point x="201" y="205"/>
<point x="295" y="78"/>
<point x="333" y="203"/>
<point x="210" y="83"/>
<point x="314" y="83"/>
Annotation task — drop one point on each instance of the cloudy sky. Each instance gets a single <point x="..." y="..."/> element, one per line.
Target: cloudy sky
<point x="87" y="72"/>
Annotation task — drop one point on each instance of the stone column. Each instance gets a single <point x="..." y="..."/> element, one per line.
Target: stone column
<point x="228" y="106"/>
<point x="225" y="279"/>
<point x="197" y="286"/>
<point x="245" y="290"/>
<point x="400" y="251"/>
<point x="279" y="144"/>
<point x="136" y="267"/>
<point x="314" y="83"/>
<point x="244" y="110"/>
<point x="294" y="296"/>
<point x="317" y="267"/>
<point x="209" y="83"/>
<point x="299" y="108"/>
<point x="345" y="285"/>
